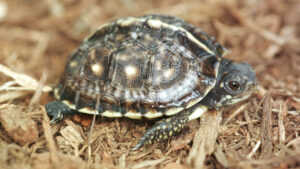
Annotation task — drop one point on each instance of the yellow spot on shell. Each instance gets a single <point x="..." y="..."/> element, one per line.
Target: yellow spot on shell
<point x="131" y="72"/>
<point x="97" y="69"/>
<point x="93" y="54"/>
<point x="120" y="37"/>
<point x="169" y="73"/>
<point x="73" y="63"/>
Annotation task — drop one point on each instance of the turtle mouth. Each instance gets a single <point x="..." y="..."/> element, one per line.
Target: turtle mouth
<point x="244" y="96"/>
<point x="238" y="99"/>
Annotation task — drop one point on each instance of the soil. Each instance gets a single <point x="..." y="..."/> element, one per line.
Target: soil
<point x="38" y="35"/>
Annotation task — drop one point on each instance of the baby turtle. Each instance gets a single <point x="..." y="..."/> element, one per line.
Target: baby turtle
<point x="148" y="67"/>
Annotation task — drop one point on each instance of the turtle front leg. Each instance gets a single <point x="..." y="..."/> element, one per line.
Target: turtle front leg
<point x="56" y="110"/>
<point x="166" y="128"/>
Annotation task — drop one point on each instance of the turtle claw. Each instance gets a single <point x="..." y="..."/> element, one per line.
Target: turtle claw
<point x="55" y="119"/>
<point x="139" y="145"/>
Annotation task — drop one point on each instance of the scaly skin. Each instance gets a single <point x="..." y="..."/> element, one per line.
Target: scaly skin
<point x="164" y="129"/>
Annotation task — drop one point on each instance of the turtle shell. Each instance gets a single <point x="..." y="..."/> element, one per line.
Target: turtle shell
<point x="136" y="67"/>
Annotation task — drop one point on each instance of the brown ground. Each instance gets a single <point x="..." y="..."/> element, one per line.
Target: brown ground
<point x="37" y="36"/>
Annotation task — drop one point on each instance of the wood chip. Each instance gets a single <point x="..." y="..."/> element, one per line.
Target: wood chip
<point x="73" y="137"/>
<point x="205" y="138"/>
<point x="266" y="128"/>
<point x="22" y="129"/>
<point x="221" y="157"/>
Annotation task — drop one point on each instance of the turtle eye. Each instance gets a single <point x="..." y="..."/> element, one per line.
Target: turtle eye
<point x="234" y="85"/>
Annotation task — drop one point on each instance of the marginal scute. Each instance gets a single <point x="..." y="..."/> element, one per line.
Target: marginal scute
<point x="88" y="110"/>
<point x="100" y="33"/>
<point x="197" y="112"/>
<point x="127" y="22"/>
<point x="111" y="114"/>
<point x="142" y="67"/>
<point x="133" y="115"/>
<point x="173" y="111"/>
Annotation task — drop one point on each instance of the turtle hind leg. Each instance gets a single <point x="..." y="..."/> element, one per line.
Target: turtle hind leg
<point x="56" y="110"/>
<point x="164" y="129"/>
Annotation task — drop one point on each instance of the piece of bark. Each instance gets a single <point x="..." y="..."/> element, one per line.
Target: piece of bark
<point x="205" y="139"/>
<point x="266" y="128"/>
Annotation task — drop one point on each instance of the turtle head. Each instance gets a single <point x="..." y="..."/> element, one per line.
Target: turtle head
<point x="235" y="82"/>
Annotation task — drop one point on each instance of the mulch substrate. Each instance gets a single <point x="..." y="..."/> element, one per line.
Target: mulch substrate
<point x="38" y="35"/>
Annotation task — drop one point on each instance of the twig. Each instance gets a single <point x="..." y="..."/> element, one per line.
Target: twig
<point x="38" y="92"/>
<point x="255" y="148"/>
<point x="49" y="137"/>
<point x="249" y="122"/>
<point x="281" y="114"/>
<point x="23" y="79"/>
<point x="92" y="127"/>
<point x="236" y="112"/>
<point x="295" y="142"/>
<point x="12" y="95"/>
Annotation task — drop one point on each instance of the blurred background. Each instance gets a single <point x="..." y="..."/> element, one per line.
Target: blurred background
<point x="38" y="35"/>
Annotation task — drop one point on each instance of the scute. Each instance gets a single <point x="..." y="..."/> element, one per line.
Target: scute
<point x="146" y="66"/>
